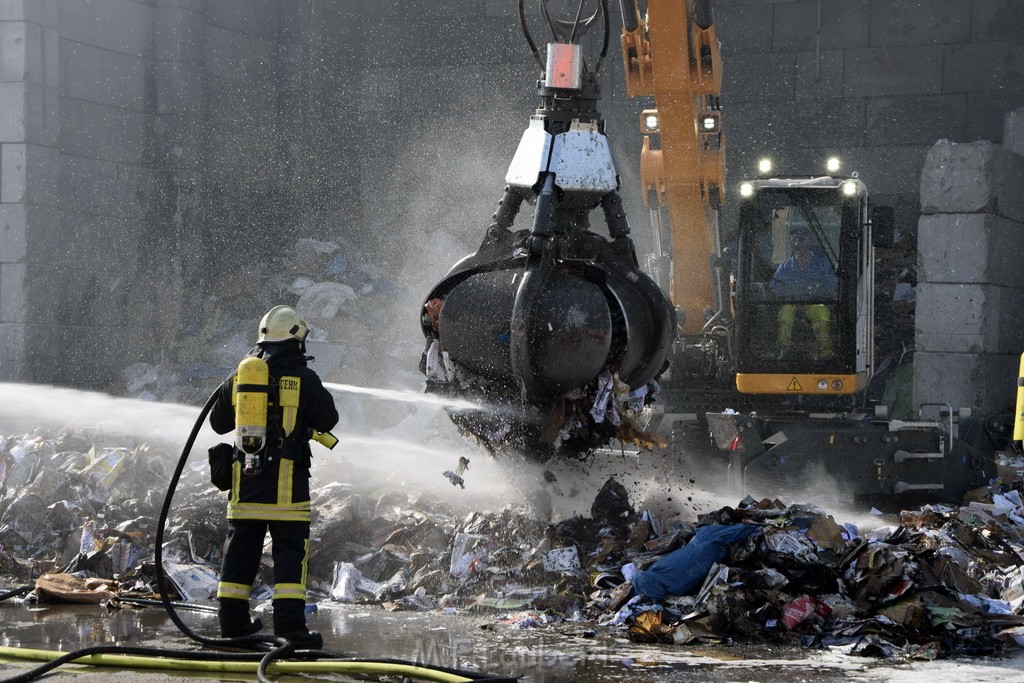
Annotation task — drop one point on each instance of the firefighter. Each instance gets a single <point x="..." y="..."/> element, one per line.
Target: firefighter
<point x="270" y="475"/>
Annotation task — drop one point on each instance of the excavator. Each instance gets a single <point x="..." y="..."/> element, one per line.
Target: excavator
<point x="765" y="337"/>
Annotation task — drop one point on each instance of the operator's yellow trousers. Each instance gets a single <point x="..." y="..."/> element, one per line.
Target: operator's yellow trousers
<point x="818" y="315"/>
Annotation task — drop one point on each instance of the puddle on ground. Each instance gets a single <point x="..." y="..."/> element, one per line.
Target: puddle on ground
<point x="476" y="642"/>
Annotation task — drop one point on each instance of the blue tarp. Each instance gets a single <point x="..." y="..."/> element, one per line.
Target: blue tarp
<point x="682" y="571"/>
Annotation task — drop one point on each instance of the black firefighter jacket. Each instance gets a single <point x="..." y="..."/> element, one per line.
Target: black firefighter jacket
<point x="280" y="492"/>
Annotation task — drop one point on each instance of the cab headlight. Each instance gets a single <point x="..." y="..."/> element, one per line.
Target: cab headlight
<point x="649" y="122"/>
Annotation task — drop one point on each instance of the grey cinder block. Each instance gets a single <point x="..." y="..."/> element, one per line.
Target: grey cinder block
<point x="13" y="232"/>
<point x="818" y="74"/>
<point x="13" y="367"/>
<point x="37" y="11"/>
<point x="985" y="382"/>
<point x="12" y="112"/>
<point x="915" y="120"/>
<point x="740" y="28"/>
<point x="29" y="174"/>
<point x="238" y="56"/>
<point x="178" y="88"/>
<point x="997" y="19"/>
<point x="954" y="318"/>
<point x="844" y="24"/>
<point x="907" y="22"/>
<point x="13" y="51"/>
<point x="13" y="304"/>
<point x="972" y="177"/>
<point x="178" y="35"/>
<point x="970" y="248"/>
<point x="252" y="17"/>
<point x="971" y="67"/>
<point x="125" y="27"/>
<point x="908" y="70"/>
<point x="986" y="109"/>
<point x="750" y="76"/>
<point x="94" y="74"/>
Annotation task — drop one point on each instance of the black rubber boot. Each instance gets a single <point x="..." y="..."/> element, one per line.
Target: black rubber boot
<point x="233" y="615"/>
<point x="304" y="640"/>
<point x="290" y="624"/>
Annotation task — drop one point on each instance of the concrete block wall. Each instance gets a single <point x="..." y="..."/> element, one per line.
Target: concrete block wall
<point x="875" y="81"/>
<point x="128" y="130"/>
<point x="193" y="136"/>
<point x="970" y="294"/>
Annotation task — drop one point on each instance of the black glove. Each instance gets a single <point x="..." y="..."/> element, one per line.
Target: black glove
<point x="221" y="457"/>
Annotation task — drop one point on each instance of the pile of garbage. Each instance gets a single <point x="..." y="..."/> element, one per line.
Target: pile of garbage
<point x="347" y="301"/>
<point x="942" y="581"/>
<point x="78" y="518"/>
<point x="73" y="503"/>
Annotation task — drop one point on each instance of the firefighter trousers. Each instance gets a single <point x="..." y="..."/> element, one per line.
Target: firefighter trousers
<point x="242" y="553"/>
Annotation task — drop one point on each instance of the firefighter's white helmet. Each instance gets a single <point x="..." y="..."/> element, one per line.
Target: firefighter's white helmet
<point x="282" y="323"/>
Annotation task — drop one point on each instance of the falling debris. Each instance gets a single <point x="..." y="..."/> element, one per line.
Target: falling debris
<point x="456" y="477"/>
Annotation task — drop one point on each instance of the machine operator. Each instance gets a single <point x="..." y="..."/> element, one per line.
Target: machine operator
<point x="806" y="275"/>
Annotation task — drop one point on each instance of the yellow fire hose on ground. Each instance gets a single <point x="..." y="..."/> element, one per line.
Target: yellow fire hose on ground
<point x="378" y="668"/>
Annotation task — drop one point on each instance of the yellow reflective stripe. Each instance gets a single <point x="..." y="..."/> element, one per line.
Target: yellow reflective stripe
<point x="285" y="476"/>
<point x="284" y="516"/>
<point x="226" y="589"/>
<point x="236" y="483"/>
<point x="288" y="399"/>
<point x="296" y="512"/>
<point x="295" y="591"/>
<point x="288" y="419"/>
<point x="305" y="561"/>
<point x="272" y="507"/>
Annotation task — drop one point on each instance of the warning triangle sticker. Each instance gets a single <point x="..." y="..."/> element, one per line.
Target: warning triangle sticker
<point x="794" y="386"/>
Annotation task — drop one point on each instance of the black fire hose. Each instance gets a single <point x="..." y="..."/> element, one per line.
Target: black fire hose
<point x="23" y="590"/>
<point x="250" y="641"/>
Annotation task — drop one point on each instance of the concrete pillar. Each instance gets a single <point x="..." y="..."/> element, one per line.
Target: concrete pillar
<point x="968" y="335"/>
<point x="29" y="162"/>
<point x="975" y="177"/>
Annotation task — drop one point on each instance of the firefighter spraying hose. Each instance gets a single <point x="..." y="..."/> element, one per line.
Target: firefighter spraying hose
<point x="263" y="402"/>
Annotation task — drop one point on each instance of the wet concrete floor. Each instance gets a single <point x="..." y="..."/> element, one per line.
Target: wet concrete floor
<point x="477" y="642"/>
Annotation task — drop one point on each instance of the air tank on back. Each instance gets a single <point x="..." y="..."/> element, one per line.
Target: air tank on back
<point x="553" y="327"/>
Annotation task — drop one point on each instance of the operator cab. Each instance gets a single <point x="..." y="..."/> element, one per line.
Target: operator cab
<point x="804" y="287"/>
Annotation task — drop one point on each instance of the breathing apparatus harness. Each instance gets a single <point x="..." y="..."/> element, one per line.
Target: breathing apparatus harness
<point x="265" y="408"/>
